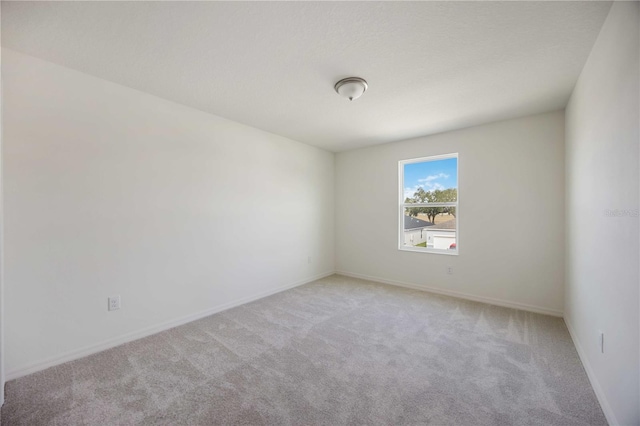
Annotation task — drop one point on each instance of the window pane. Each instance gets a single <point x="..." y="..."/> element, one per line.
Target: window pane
<point x="433" y="181"/>
<point x="430" y="227"/>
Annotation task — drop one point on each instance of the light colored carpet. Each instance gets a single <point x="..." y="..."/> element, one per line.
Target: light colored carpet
<point x="333" y="352"/>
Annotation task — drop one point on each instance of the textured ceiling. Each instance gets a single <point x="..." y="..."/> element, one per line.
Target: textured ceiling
<point x="431" y="66"/>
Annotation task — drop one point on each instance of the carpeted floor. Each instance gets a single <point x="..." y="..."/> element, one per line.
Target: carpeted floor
<point x="333" y="352"/>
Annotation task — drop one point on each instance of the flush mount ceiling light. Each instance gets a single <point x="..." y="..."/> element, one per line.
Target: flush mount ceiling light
<point x="351" y="87"/>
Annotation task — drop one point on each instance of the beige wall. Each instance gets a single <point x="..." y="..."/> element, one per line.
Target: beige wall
<point x="602" y="165"/>
<point x="110" y="191"/>
<point x="511" y="214"/>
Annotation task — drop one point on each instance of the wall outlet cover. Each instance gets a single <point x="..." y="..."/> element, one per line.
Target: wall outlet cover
<point x="114" y="303"/>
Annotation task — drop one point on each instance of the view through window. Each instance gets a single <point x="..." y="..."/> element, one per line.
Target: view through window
<point x="429" y="204"/>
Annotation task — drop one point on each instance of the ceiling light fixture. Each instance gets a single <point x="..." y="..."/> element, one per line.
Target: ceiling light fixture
<point x="351" y="87"/>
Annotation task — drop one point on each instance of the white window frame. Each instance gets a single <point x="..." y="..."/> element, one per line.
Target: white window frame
<point x="402" y="205"/>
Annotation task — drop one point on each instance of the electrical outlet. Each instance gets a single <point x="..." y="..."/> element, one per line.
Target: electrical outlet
<point x="450" y="270"/>
<point x="114" y="303"/>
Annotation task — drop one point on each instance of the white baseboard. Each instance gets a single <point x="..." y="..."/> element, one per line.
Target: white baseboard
<point x="459" y="294"/>
<point x="595" y="384"/>
<point x="110" y="343"/>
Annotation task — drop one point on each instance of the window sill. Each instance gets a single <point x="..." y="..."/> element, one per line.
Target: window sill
<point x="428" y="250"/>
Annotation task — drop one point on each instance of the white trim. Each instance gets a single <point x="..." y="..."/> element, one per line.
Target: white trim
<point x="2" y="263"/>
<point x="595" y="384"/>
<point x="459" y="295"/>
<point x="110" y="343"/>
<point x="429" y="158"/>
<point x="429" y="250"/>
<point x="442" y="204"/>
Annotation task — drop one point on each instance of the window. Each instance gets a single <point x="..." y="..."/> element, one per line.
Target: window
<point x="428" y="208"/>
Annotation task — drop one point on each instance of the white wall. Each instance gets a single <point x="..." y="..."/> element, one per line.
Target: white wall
<point x="511" y="185"/>
<point x="602" y="251"/>
<point x="110" y="191"/>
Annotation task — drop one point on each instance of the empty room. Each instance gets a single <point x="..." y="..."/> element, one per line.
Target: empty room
<point x="320" y="213"/>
